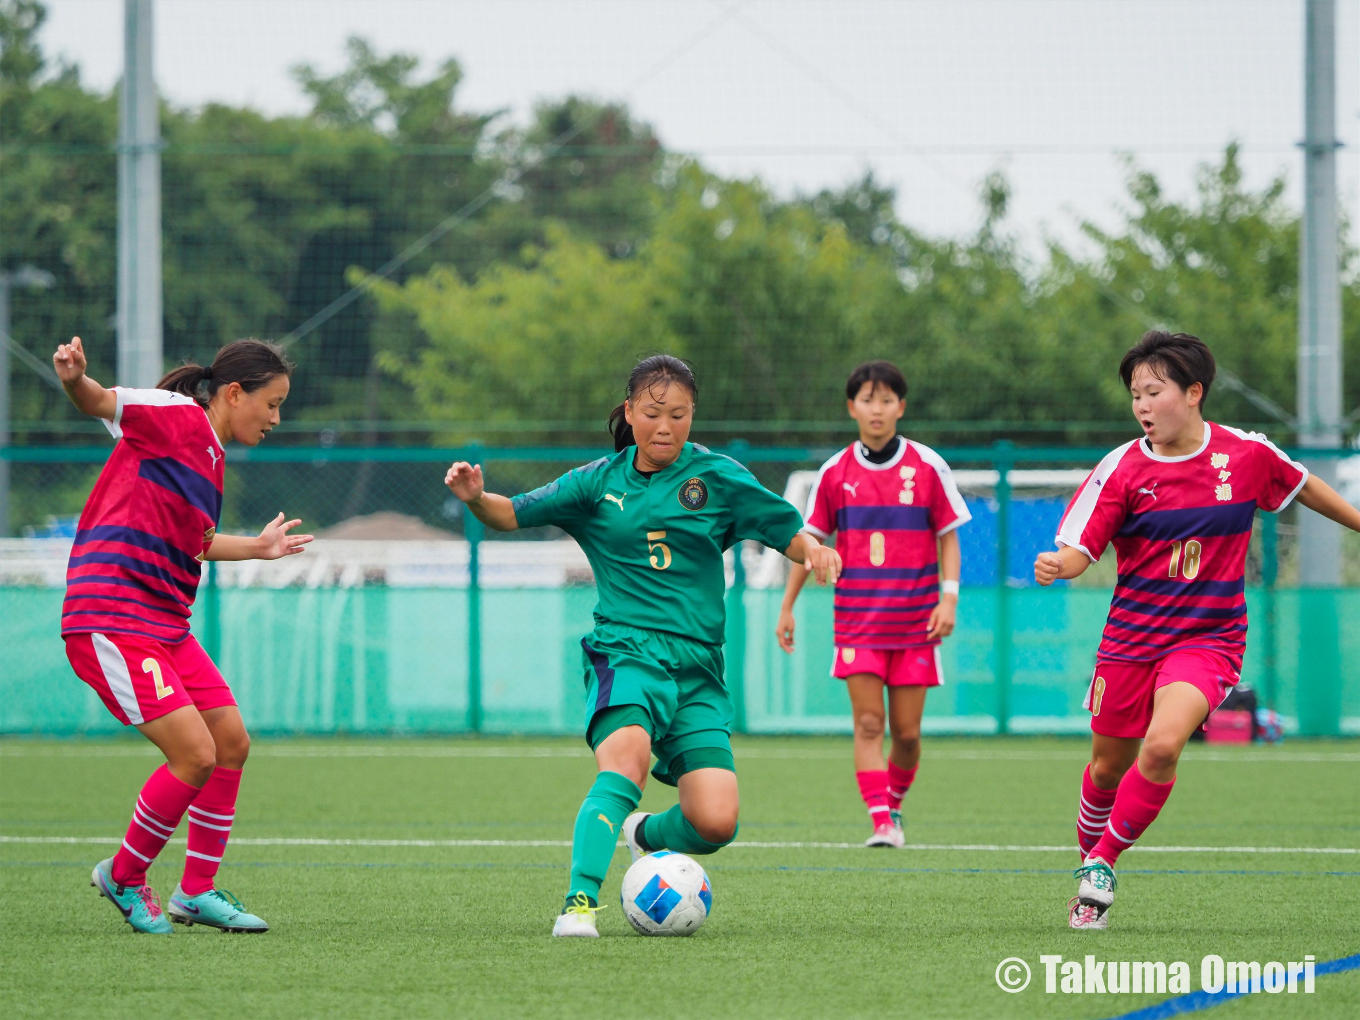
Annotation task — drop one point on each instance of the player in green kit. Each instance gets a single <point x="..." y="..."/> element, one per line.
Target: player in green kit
<point x="654" y="521"/>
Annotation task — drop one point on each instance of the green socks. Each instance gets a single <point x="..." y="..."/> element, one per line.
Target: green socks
<point x="670" y="830"/>
<point x="609" y="802"/>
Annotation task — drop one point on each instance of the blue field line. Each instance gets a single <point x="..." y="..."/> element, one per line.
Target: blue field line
<point x="1196" y="1001"/>
<point x="716" y="868"/>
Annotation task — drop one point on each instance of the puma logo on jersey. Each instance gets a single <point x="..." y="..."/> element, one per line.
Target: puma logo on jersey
<point x="214" y="455"/>
<point x="1150" y="492"/>
<point x="616" y="499"/>
<point x="602" y="818"/>
<point x="851" y="488"/>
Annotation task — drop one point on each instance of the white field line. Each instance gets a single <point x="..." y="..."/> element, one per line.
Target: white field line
<point x="19" y="749"/>
<point x="741" y="844"/>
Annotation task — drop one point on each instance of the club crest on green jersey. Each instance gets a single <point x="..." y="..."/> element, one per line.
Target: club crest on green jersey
<point x="693" y="494"/>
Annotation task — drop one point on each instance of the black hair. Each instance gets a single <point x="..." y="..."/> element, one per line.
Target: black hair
<point x="1180" y="357"/>
<point x="658" y="370"/>
<point x="252" y="363"/>
<point x="880" y="373"/>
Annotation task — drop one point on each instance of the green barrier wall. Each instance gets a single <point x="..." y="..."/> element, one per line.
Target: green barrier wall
<point x="379" y="660"/>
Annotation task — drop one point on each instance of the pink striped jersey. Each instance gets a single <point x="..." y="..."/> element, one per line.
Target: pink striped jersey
<point x="887" y="518"/>
<point x="148" y="523"/>
<point x="1180" y="527"/>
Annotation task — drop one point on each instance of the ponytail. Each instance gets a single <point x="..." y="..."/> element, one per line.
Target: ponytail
<point x="620" y="429"/>
<point x="251" y="363"/>
<point x="658" y="370"/>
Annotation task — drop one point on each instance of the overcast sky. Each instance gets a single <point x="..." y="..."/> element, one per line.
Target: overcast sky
<point x="809" y="93"/>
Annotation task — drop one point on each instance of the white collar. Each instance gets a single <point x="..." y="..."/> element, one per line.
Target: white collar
<point x="891" y="462"/>
<point x="1144" y="445"/>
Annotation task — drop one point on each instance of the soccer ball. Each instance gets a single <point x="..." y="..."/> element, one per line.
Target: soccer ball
<point x="666" y="893"/>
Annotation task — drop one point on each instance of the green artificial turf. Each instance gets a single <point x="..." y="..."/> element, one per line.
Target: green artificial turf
<point x="412" y="930"/>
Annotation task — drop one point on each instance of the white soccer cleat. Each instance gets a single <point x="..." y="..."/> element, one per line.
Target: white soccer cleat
<point x="631" y="824"/>
<point x="577" y="920"/>
<point x="887" y="834"/>
<point x="1097" y="882"/>
<point x="1082" y="917"/>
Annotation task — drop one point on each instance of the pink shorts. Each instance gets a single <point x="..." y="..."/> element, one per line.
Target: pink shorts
<point x="141" y="679"/>
<point x="896" y="667"/>
<point x="1120" y="695"/>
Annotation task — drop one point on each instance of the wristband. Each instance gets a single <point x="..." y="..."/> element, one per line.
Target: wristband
<point x="949" y="587"/>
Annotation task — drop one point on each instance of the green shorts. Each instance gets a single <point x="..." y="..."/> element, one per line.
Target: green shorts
<point x="670" y="685"/>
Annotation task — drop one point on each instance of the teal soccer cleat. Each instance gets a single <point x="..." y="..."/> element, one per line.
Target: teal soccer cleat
<point x="215" y="908"/>
<point x="139" y="904"/>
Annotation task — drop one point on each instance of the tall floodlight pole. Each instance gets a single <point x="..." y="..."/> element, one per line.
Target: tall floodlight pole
<point x="1319" y="383"/>
<point x="1319" y="397"/>
<point x="140" y="361"/>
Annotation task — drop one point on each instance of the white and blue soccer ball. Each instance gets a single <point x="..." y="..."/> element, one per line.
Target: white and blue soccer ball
<point x="666" y="893"/>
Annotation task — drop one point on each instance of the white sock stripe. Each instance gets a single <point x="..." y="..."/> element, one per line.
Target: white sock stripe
<point x="153" y="827"/>
<point x="202" y="857"/>
<point x="136" y="853"/>
<point x="876" y="810"/>
<point x="1121" y="839"/>
<point x="151" y="816"/>
<point x="1093" y="807"/>
<point x="1082" y="816"/>
<point x="193" y="810"/>
<point x="197" y="823"/>
<point x="160" y="836"/>
<point x="1093" y="833"/>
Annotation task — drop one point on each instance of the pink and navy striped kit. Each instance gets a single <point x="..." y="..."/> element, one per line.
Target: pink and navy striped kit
<point x="134" y="568"/>
<point x="1180" y="528"/>
<point x="887" y="519"/>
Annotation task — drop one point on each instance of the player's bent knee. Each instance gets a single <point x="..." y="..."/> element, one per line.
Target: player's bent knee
<point x="869" y="725"/>
<point x="1106" y="774"/>
<point x="717" y="828"/>
<point x="1159" y="755"/>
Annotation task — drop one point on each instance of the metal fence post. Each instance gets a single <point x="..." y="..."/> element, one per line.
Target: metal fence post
<point x="1270" y="572"/>
<point x="736" y="613"/>
<point x="474" y="531"/>
<point x="1003" y="456"/>
<point x="212" y="617"/>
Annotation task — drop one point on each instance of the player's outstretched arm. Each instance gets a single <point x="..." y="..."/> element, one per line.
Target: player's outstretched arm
<point x="88" y="396"/>
<point x="821" y="560"/>
<point x="1062" y="565"/>
<point x="1321" y="498"/>
<point x="465" y="481"/>
<point x="273" y="543"/>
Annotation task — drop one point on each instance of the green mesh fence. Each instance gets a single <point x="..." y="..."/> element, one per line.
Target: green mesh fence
<point x="377" y="660"/>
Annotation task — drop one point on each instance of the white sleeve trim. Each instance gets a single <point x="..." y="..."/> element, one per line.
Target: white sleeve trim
<point x="831" y="462"/>
<point x="1077" y="546"/>
<point x="817" y="533"/>
<point x="1257" y="437"/>
<point x="126" y="395"/>
<point x="1074" y="524"/>
<point x="951" y="489"/>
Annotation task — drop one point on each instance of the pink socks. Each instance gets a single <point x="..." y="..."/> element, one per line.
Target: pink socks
<point x="1093" y="812"/>
<point x="160" y="806"/>
<point x="1137" y="802"/>
<point x="899" y="782"/>
<point x="210" y="818"/>
<point x="873" y="787"/>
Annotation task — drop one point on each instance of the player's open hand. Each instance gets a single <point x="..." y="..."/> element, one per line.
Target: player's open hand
<point x="276" y="543"/>
<point x="824" y="563"/>
<point x="69" y="361"/>
<point x="941" y="622"/>
<point x="465" y="481"/>
<point x="1047" y="568"/>
<point x="783" y="631"/>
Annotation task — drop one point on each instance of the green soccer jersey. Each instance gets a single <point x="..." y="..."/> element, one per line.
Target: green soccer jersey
<point x="656" y="542"/>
